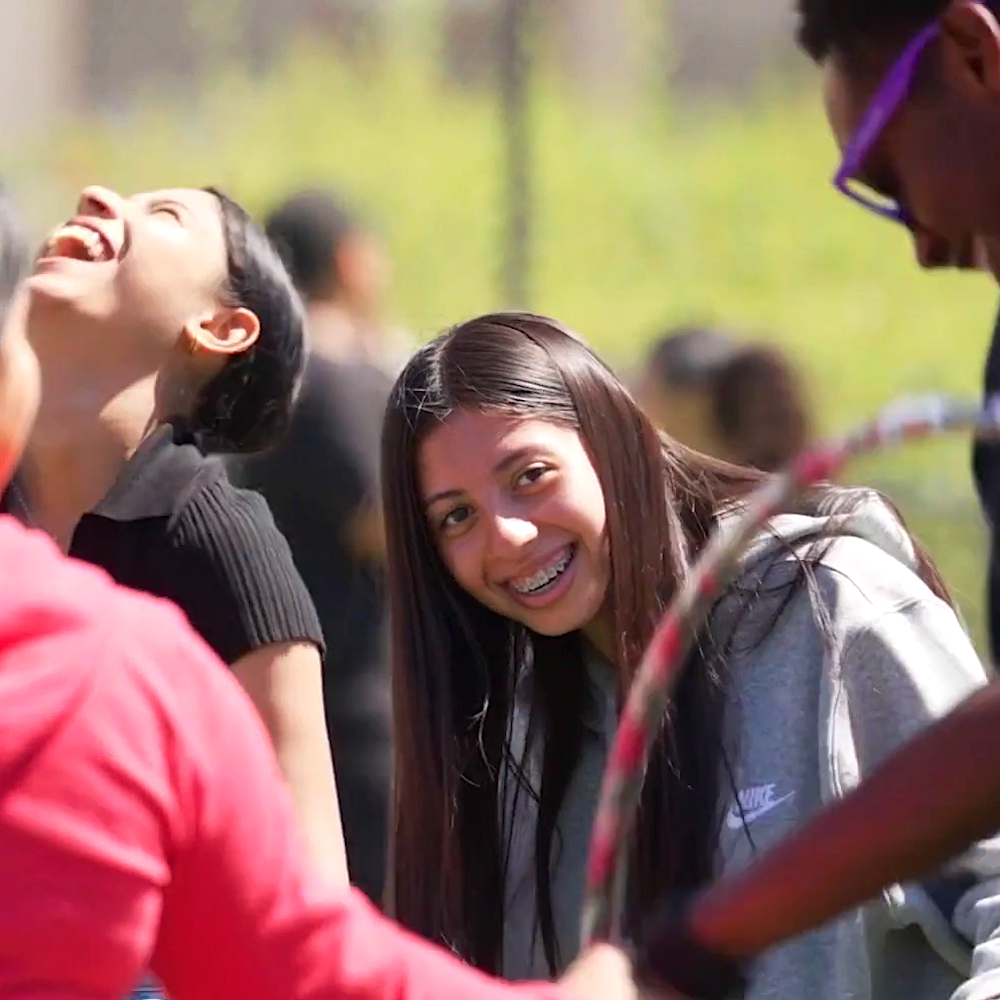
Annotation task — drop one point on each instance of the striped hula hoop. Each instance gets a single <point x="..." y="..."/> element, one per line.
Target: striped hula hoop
<point x="642" y="716"/>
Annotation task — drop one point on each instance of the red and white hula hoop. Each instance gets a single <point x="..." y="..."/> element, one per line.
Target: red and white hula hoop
<point x="649" y="696"/>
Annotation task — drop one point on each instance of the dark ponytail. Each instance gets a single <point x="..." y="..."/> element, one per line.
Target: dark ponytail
<point x="248" y="405"/>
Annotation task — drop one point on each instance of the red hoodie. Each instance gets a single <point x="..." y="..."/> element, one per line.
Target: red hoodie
<point x="144" y="823"/>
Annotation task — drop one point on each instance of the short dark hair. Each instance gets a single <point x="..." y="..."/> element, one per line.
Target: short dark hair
<point x="13" y="247"/>
<point x="762" y="407"/>
<point x="841" y="27"/>
<point x="248" y="405"/>
<point x="689" y="357"/>
<point x="308" y="229"/>
<point x="759" y="403"/>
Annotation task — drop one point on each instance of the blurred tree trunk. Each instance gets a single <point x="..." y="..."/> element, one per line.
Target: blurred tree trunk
<point x="42" y="57"/>
<point x="515" y="62"/>
<point x="592" y="41"/>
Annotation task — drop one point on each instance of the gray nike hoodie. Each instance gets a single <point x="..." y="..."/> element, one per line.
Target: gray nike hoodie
<point x="858" y="661"/>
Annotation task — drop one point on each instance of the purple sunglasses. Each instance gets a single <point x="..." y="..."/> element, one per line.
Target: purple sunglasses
<point x="883" y="106"/>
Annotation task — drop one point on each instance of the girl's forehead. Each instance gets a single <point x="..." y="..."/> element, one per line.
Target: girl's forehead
<point x="201" y="207"/>
<point x="192" y="197"/>
<point x="482" y="431"/>
<point x="473" y="443"/>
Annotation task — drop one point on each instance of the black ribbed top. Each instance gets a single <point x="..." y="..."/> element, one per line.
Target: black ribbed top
<point x="246" y="592"/>
<point x="176" y="527"/>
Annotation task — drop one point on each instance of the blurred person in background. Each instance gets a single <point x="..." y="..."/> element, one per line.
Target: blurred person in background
<point x="13" y="249"/>
<point x="321" y="483"/>
<point x="167" y="330"/>
<point x="741" y="402"/>
<point x="912" y="95"/>
<point x="343" y="272"/>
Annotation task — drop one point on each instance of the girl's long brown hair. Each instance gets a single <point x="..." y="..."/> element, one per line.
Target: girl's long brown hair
<point x="455" y="662"/>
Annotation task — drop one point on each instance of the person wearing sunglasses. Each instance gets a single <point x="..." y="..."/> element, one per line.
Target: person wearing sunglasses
<point x="911" y="93"/>
<point x="913" y="98"/>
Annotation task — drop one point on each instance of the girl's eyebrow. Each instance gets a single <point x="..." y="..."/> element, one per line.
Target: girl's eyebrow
<point x="502" y="466"/>
<point x="168" y="203"/>
<point x="443" y="495"/>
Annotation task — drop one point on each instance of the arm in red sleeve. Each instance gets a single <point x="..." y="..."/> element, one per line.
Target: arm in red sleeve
<point x="144" y="823"/>
<point x="244" y="917"/>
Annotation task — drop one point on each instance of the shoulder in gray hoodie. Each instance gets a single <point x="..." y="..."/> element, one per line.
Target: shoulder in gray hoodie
<point x="857" y="662"/>
<point x="862" y="659"/>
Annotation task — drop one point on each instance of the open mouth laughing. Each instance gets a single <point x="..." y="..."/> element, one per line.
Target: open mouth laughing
<point x="79" y="241"/>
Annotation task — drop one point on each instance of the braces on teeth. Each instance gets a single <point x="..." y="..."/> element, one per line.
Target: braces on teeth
<point x="543" y="577"/>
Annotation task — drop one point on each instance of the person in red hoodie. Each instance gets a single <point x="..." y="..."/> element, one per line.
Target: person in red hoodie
<point x="144" y="822"/>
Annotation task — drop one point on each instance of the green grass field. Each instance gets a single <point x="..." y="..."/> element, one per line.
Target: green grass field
<point x="642" y="219"/>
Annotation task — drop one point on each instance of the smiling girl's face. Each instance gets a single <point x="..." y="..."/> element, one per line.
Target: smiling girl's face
<point x="518" y="515"/>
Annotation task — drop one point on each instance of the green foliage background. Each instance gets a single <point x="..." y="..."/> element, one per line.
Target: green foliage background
<point x="642" y="219"/>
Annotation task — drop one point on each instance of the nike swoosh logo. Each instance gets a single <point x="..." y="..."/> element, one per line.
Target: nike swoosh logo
<point x="735" y="821"/>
